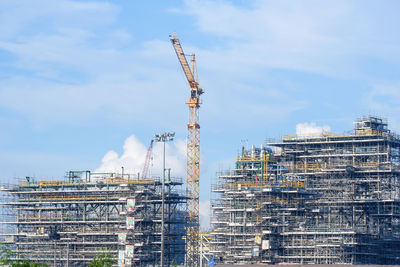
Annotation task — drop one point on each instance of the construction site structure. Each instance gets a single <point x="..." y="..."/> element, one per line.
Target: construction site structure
<point x="317" y="199"/>
<point x="69" y="222"/>
<point x="193" y="154"/>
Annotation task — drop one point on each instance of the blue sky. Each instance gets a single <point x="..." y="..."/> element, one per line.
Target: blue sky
<point x="86" y="84"/>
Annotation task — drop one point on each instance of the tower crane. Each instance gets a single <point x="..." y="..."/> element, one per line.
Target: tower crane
<point x="147" y="161"/>
<point x="193" y="154"/>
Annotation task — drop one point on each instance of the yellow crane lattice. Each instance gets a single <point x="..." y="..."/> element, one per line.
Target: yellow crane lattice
<point x="193" y="154"/>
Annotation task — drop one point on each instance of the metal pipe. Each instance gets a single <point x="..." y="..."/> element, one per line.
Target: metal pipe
<point x="162" y="210"/>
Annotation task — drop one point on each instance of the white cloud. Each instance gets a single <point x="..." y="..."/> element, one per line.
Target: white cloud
<point x="133" y="157"/>
<point x="311" y="129"/>
<point x="80" y="72"/>
<point x="318" y="37"/>
<point x="384" y="97"/>
<point x="84" y="66"/>
<point x="205" y="212"/>
<point x="110" y="98"/>
<point x="40" y="165"/>
<point x="134" y="154"/>
<point x="383" y="100"/>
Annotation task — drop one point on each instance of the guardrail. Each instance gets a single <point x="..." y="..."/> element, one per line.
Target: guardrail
<point x="354" y="133"/>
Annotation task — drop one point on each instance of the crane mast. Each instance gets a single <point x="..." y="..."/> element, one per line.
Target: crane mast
<point x="193" y="155"/>
<point x="147" y="160"/>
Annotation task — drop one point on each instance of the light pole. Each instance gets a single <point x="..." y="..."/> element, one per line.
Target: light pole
<point x="165" y="137"/>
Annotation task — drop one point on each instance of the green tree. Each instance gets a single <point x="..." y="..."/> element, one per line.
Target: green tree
<point x="101" y="260"/>
<point x="28" y="263"/>
<point x="7" y="258"/>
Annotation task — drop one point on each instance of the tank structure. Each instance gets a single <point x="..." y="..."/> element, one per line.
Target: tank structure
<point x="69" y="222"/>
<point x="321" y="199"/>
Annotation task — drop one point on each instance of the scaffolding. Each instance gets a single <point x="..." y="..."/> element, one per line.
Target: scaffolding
<point x="321" y="199"/>
<point x="68" y="222"/>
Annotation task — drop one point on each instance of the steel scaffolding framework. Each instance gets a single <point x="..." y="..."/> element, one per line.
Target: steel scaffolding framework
<point x="68" y="222"/>
<point x="322" y="199"/>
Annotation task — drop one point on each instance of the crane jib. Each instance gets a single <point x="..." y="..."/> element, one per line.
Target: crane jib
<point x="182" y="59"/>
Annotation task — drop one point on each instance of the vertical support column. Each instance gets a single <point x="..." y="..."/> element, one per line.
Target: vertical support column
<point x="192" y="186"/>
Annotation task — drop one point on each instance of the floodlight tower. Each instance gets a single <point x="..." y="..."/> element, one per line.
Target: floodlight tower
<point x="165" y="137"/>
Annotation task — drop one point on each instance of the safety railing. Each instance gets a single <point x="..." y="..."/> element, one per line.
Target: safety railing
<point x="267" y="183"/>
<point x="111" y="181"/>
<point x="256" y="157"/>
<point x="355" y="133"/>
<point x="73" y="198"/>
<point x="47" y="217"/>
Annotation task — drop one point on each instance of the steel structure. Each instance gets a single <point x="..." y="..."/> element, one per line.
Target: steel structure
<point x="321" y="199"/>
<point x="68" y="222"/>
<point x="145" y="171"/>
<point x="193" y="154"/>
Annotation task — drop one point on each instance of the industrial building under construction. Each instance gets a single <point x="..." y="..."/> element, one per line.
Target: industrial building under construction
<point x="317" y="199"/>
<point x="321" y="199"/>
<point x="68" y="222"/>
